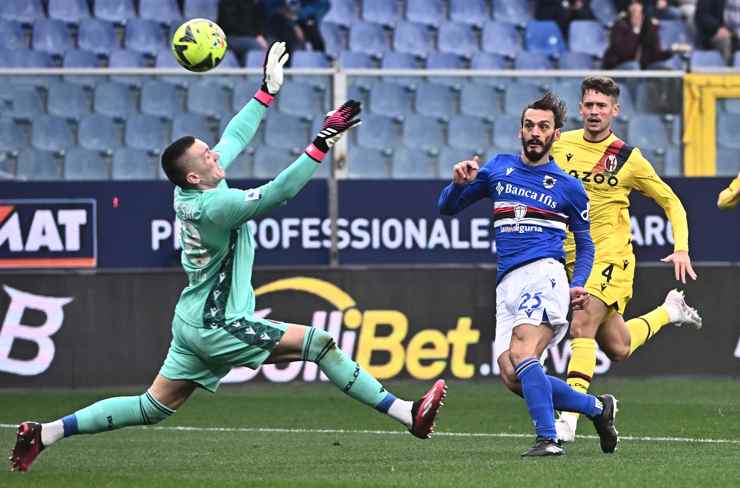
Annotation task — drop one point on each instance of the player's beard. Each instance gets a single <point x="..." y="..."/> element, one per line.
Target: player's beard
<point x="535" y="152"/>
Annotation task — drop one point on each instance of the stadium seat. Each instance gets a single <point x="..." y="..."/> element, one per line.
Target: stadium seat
<point x="506" y="133"/>
<point x="230" y="61"/>
<point x="243" y="91"/>
<point x="390" y="99"/>
<point x="51" y="133"/>
<point x="67" y="100"/>
<point x="511" y="11"/>
<point x="544" y="36"/>
<point x="209" y="99"/>
<point x="11" y="36"/>
<point x="369" y="38"/>
<point x="471" y="12"/>
<point x="575" y="61"/>
<point x="25" y="58"/>
<point x="527" y="60"/>
<point x="479" y="100"/>
<point x="706" y="59"/>
<point x="449" y="156"/>
<point x="69" y="11"/>
<point x="412" y="164"/>
<point x="118" y="11"/>
<point x="604" y="11"/>
<point x="569" y="91"/>
<point x="98" y="36"/>
<point x="144" y="36"/>
<point x="727" y="124"/>
<point x="396" y="60"/>
<point x="79" y="58"/>
<point x="438" y="60"/>
<point x="647" y="131"/>
<point x="422" y="132"/>
<point x="201" y="9"/>
<point x="163" y="11"/>
<point x="457" y="39"/>
<point x="728" y="163"/>
<point x="378" y="132"/>
<point x="195" y="125"/>
<point x="367" y="163"/>
<point x="286" y="132"/>
<point x="309" y="59"/>
<point x="100" y="133"/>
<point x="427" y="12"/>
<point x="673" y="31"/>
<point x="25" y="11"/>
<point x="51" y="36"/>
<point x="501" y="38"/>
<point x="134" y="164"/>
<point x="674" y="63"/>
<point x="26" y="102"/>
<point x="673" y="164"/>
<point x="242" y="167"/>
<point x="342" y="12"/>
<point x="12" y="137"/>
<point x="161" y="99"/>
<point x="483" y="60"/>
<point x="269" y="161"/>
<point x="302" y="100"/>
<point x="626" y="102"/>
<point x="38" y="165"/>
<point x="254" y="58"/>
<point x="84" y="164"/>
<point x="470" y="133"/>
<point x="146" y="132"/>
<point x="588" y="36"/>
<point x="435" y="100"/>
<point x="412" y="38"/>
<point x="334" y="39"/>
<point x="123" y="58"/>
<point x="383" y="12"/>
<point x="352" y="60"/>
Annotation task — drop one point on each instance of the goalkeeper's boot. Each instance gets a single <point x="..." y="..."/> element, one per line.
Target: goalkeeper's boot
<point x="544" y="447"/>
<point x="27" y="446"/>
<point x="686" y="315"/>
<point x="604" y="423"/>
<point x="424" y="410"/>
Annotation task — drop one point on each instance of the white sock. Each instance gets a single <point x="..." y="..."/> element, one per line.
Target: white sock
<point x="401" y="411"/>
<point x="51" y="432"/>
<point x="571" y="419"/>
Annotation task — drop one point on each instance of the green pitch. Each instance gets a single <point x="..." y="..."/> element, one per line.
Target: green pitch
<point x="481" y="432"/>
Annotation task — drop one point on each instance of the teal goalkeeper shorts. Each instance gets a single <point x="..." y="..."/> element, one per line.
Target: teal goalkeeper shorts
<point x="204" y="355"/>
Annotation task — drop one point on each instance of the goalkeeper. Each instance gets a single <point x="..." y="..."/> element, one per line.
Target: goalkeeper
<point x="214" y="327"/>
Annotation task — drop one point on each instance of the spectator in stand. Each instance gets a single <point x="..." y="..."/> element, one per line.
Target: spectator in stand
<point x="243" y="21"/>
<point x="563" y="12"/>
<point x="660" y="9"/>
<point x="718" y="25"/>
<point x="309" y="18"/>
<point x="635" y="38"/>
<point x="282" y="23"/>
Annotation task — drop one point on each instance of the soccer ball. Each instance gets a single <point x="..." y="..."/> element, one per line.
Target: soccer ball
<point x="199" y="45"/>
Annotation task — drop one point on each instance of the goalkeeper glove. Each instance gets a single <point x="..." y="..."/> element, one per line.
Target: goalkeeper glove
<point x="272" y="73"/>
<point x="337" y="122"/>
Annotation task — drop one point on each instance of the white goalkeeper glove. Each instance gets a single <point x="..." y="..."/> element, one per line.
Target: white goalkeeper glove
<point x="272" y="69"/>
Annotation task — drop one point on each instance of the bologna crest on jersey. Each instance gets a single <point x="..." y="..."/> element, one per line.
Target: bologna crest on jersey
<point x="520" y="211"/>
<point x="611" y="163"/>
<point x="548" y="181"/>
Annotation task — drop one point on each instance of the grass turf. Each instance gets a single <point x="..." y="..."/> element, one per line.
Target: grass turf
<point x="686" y="408"/>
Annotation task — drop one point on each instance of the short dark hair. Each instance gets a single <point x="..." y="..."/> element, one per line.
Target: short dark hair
<point x="600" y="84"/>
<point x="172" y="163"/>
<point x="551" y="102"/>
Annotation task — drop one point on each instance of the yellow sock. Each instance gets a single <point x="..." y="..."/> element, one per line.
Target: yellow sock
<point x="582" y="364"/>
<point x="644" y="327"/>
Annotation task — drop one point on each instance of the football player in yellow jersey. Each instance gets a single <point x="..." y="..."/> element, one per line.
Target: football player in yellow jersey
<point x="730" y="196"/>
<point x="610" y="169"/>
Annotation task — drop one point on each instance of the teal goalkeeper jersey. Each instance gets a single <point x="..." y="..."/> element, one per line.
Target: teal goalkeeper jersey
<point x="217" y="246"/>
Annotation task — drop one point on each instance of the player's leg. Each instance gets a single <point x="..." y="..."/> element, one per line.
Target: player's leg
<point x="316" y="345"/>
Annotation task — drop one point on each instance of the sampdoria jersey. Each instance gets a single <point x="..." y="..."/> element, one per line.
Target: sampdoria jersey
<point x="610" y="170"/>
<point x="217" y="246"/>
<point x="533" y="207"/>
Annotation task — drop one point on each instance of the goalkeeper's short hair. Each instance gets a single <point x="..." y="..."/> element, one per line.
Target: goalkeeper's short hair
<point x="173" y="163"/>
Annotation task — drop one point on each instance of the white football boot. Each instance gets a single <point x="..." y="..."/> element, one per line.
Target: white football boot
<point x="680" y="312"/>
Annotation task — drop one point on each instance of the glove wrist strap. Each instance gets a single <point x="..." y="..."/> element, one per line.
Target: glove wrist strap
<point x="263" y="97"/>
<point x="316" y="152"/>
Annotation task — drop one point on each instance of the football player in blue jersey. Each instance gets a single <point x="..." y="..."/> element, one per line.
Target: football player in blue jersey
<point x="534" y="203"/>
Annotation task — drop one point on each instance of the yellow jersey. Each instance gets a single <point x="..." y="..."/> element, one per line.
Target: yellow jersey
<point x="610" y="170"/>
<point x="730" y="196"/>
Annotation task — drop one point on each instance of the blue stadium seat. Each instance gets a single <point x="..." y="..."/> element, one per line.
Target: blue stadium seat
<point x="367" y="163"/>
<point x="201" y="9"/>
<point x="604" y="11"/>
<point x="369" y="38"/>
<point x="163" y="11"/>
<point x="26" y="58"/>
<point x="230" y="60"/>
<point x="575" y="61"/>
<point x="706" y="59"/>
<point x="255" y="58"/>
<point x="378" y="132"/>
<point x="673" y="31"/>
<point x="425" y="133"/>
<point x="588" y="36"/>
<point x="479" y="100"/>
<point x="98" y="36"/>
<point x="209" y="99"/>
<point x="146" y="132"/>
<point x="412" y="164"/>
<point x="727" y="162"/>
<point x="243" y="91"/>
<point x="69" y="11"/>
<point x="99" y="133"/>
<point x="342" y="12"/>
<point x="51" y="133"/>
<point x="427" y="12"/>
<point x="269" y="161"/>
<point x="161" y="99"/>
<point x="412" y="38"/>
<point x="51" y="36"/>
<point x="533" y="61"/>
<point x="435" y="100"/>
<point x="449" y="156"/>
<point x="165" y="59"/>
<point x="396" y="60"/>
<point x="359" y="93"/>
<point x="673" y="163"/>
<point x="470" y="133"/>
<point x="11" y="36"/>
<point x="242" y="166"/>
<point x="483" y="60"/>
<point x="390" y="99"/>
<point x="471" y="12"/>
<point x="195" y="125"/>
<point x="12" y="137"/>
<point x="674" y="63"/>
<point x="727" y="124"/>
<point x="286" y="131"/>
<point x="647" y="131"/>
<point x="25" y="11"/>
<point x="351" y="59"/>
<point x="38" y="165"/>
<point x="438" y="60"/>
<point x="511" y="11"/>
<point x="334" y="39"/>
<point x="569" y="91"/>
<point x="85" y="165"/>
<point x="123" y="58"/>
<point x="544" y="36"/>
<point x="302" y="100"/>
<point x="501" y="38"/>
<point x="383" y="12"/>
<point x="134" y="164"/>
<point x="67" y="100"/>
<point x="79" y="58"/>
<point x="118" y="11"/>
<point x="626" y="103"/>
<point x="457" y="38"/>
<point x="506" y="133"/>
<point x="145" y="36"/>
<point x="27" y="102"/>
<point x="309" y="59"/>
